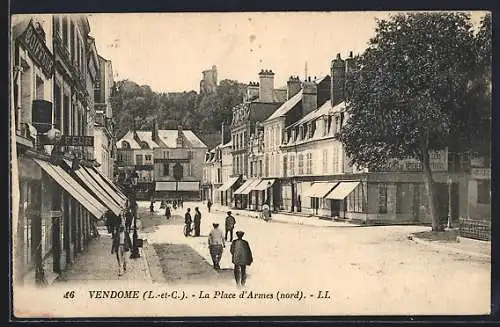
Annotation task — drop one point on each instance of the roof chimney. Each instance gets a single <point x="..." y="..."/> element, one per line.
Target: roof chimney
<point x="338" y="69"/>
<point x="252" y="91"/>
<point x="154" y="134"/>
<point x="266" y="86"/>
<point x="309" y="97"/>
<point x="180" y="136"/>
<point x="293" y="86"/>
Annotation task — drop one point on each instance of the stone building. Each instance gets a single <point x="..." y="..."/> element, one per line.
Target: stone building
<point x="261" y="101"/>
<point x="208" y="83"/>
<point x="169" y="163"/>
<point x="61" y="194"/>
<point x="104" y="140"/>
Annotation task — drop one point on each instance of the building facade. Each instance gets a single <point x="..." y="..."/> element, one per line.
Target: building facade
<point x="58" y="196"/>
<point x="104" y="141"/>
<point x="261" y="101"/>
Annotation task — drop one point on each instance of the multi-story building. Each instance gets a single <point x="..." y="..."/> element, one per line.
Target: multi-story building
<point x="104" y="142"/>
<point x="135" y="155"/>
<point x="169" y="163"/>
<point x="261" y="101"/>
<point x="303" y="98"/>
<point x="60" y="192"/>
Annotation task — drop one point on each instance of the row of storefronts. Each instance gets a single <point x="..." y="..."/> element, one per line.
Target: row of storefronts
<point x="297" y="165"/>
<point x="60" y="189"/>
<point x="59" y="200"/>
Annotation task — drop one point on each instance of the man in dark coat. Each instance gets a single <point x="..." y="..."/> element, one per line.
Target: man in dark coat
<point x="242" y="257"/>
<point x="209" y="205"/>
<point x="197" y="222"/>
<point x="230" y="222"/>
<point x="168" y="213"/>
<point x="188" y="221"/>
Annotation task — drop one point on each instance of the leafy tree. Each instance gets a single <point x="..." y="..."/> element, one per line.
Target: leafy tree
<point x="410" y="93"/>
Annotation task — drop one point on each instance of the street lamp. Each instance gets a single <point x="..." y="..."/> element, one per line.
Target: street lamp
<point x="133" y="183"/>
<point x="449" y="182"/>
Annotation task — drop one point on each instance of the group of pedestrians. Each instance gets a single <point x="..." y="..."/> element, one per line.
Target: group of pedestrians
<point x="240" y="249"/>
<point x="119" y="227"/>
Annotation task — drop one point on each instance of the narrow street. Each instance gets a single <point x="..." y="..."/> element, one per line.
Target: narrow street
<point x="366" y="269"/>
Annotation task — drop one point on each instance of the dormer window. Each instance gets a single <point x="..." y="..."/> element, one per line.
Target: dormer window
<point x="125" y="145"/>
<point x="144" y="145"/>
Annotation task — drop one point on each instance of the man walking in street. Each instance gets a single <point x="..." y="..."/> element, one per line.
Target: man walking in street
<point x="187" y="221"/>
<point x="242" y="257"/>
<point x="216" y="245"/>
<point x="230" y="222"/>
<point x="209" y="205"/>
<point x="197" y="222"/>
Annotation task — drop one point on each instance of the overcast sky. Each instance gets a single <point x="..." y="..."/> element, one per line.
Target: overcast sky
<point x="168" y="51"/>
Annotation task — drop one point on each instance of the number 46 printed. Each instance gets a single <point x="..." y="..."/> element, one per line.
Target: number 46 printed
<point x="69" y="295"/>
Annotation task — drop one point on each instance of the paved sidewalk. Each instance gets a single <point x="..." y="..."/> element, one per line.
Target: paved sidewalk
<point x="464" y="246"/>
<point x="285" y="218"/>
<point x="98" y="264"/>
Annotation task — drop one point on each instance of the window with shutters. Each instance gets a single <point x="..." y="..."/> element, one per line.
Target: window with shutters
<point x="301" y="164"/>
<point x="309" y="163"/>
<point x="292" y="165"/>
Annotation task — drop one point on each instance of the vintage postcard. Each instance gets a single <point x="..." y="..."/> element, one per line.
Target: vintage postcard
<point x="250" y="164"/>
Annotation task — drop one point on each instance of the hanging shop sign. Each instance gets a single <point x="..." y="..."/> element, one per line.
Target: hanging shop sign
<point x="77" y="140"/>
<point x="37" y="49"/>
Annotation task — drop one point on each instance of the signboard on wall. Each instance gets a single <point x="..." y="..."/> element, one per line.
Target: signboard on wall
<point x="70" y="140"/>
<point x="481" y="173"/>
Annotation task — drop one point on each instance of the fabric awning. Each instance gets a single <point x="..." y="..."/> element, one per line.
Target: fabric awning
<point x="121" y="201"/>
<point x="243" y="186"/>
<point x="319" y="189"/>
<point x="227" y="185"/>
<point x="251" y="186"/>
<point x="70" y="185"/>
<point x="188" y="186"/>
<point x="113" y="185"/>
<point x="105" y="198"/>
<point x="342" y="190"/>
<point x="264" y="185"/>
<point x="166" y="186"/>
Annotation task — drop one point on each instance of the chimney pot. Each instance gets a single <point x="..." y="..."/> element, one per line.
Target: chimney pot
<point x="350" y="54"/>
<point x="338" y="55"/>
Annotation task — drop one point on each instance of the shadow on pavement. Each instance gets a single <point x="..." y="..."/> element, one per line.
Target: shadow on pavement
<point x="183" y="265"/>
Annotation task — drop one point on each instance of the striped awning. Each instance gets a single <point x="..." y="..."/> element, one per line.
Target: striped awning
<point x="70" y="185"/>
<point x="319" y="189"/>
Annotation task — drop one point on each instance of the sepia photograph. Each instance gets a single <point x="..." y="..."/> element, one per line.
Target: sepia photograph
<point x="231" y="164"/>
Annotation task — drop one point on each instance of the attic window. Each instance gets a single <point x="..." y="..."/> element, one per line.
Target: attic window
<point x="125" y="145"/>
<point x="144" y="145"/>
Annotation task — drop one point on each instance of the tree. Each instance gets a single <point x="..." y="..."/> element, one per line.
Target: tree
<point x="410" y="93"/>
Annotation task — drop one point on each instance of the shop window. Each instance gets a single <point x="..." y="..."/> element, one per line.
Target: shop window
<point x="484" y="191"/>
<point x="382" y="198"/>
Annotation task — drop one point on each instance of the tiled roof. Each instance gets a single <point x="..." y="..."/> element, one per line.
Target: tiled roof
<point x="169" y="138"/>
<point x="129" y="137"/>
<point x="287" y="106"/>
<point x="147" y="136"/>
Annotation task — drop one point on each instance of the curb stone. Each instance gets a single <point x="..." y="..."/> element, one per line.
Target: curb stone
<point x="155" y="270"/>
<point x="448" y="248"/>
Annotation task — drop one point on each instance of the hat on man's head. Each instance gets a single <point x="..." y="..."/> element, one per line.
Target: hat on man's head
<point x="229" y="212"/>
<point x="215" y="224"/>
<point x="240" y="233"/>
